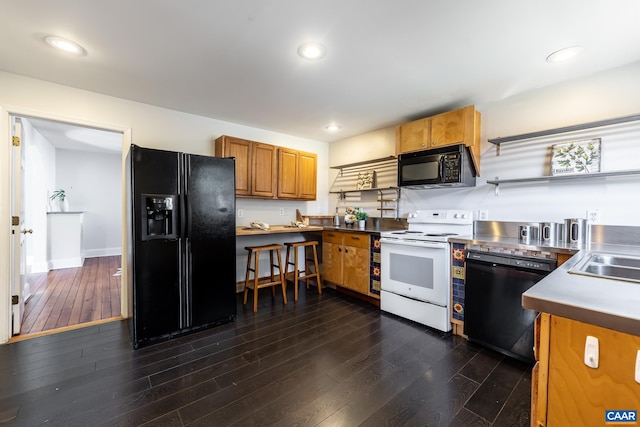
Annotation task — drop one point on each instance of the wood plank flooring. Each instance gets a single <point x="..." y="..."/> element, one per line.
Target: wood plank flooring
<point x="327" y="360"/>
<point x="71" y="296"/>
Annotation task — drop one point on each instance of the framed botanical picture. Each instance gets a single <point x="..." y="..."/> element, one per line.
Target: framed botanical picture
<point x="366" y="180"/>
<point x="576" y="157"/>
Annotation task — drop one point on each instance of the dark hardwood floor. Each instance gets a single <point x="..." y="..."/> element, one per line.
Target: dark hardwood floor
<point x="326" y="360"/>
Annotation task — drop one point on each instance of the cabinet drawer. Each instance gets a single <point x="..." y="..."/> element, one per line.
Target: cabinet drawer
<point x="332" y="237"/>
<point x="358" y="240"/>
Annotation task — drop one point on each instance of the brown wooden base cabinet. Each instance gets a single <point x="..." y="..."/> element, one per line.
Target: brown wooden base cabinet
<point x="567" y="392"/>
<point x="345" y="260"/>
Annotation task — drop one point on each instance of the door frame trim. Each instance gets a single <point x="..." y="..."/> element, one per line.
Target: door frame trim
<point x="6" y="180"/>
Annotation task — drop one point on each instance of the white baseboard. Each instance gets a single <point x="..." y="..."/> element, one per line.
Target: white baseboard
<point x="95" y="253"/>
<point x="55" y="264"/>
<point x="41" y="267"/>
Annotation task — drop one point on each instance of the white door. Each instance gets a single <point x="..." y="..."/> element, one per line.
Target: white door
<point x="19" y="233"/>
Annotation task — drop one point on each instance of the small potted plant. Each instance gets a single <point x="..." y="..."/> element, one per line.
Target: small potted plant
<point x="59" y="197"/>
<point x="361" y="216"/>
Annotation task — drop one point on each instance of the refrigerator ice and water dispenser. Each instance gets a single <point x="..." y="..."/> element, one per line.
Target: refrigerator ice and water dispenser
<point x="161" y="215"/>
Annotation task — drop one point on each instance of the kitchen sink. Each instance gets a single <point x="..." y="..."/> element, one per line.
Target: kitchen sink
<point x="609" y="266"/>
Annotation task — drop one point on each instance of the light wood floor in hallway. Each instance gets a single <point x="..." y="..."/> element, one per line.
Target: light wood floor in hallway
<point x="73" y="296"/>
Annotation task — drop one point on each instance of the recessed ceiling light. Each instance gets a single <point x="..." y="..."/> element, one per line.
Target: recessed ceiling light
<point x="564" y="54"/>
<point x="312" y="50"/>
<point x="65" y="45"/>
<point x="333" y="127"/>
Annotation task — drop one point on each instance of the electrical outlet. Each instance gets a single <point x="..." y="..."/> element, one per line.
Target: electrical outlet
<point x="240" y="213"/>
<point x="593" y="216"/>
<point x="483" y="214"/>
<point x="282" y="211"/>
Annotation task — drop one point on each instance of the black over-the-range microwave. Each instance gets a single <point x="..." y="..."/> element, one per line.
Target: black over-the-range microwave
<point x="449" y="166"/>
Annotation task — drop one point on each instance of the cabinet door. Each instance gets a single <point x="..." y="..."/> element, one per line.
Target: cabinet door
<point x="307" y="176"/>
<point x="413" y="136"/>
<point x="580" y="395"/>
<point x="332" y="262"/>
<point x="264" y="170"/>
<point x="227" y="146"/>
<point x="448" y="128"/>
<point x="287" y="173"/>
<point x="355" y="269"/>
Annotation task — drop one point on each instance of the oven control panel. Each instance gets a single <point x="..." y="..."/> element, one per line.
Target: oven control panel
<point x="441" y="217"/>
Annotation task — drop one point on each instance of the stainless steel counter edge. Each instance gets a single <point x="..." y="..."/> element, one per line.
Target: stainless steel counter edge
<point x="612" y="304"/>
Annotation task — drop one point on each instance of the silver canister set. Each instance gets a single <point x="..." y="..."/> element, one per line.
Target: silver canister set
<point x="573" y="231"/>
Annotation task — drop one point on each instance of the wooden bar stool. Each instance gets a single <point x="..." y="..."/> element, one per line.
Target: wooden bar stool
<point x="310" y="258"/>
<point x="264" y="282"/>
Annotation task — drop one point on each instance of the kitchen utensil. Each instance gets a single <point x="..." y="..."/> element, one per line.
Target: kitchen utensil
<point x="575" y="230"/>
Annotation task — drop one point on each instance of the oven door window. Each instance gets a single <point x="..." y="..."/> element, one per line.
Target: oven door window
<point x="416" y="272"/>
<point x="411" y="270"/>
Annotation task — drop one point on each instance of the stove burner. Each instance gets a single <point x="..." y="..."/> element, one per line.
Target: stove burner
<point x="406" y="232"/>
<point x="440" y="234"/>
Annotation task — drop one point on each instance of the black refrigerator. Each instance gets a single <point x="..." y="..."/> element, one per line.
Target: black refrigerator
<point x="181" y="246"/>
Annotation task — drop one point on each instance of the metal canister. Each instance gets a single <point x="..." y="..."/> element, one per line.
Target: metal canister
<point x="575" y="230"/>
<point x="550" y="232"/>
<point x="528" y="233"/>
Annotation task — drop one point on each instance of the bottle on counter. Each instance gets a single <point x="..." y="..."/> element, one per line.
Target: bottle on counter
<point x="336" y="219"/>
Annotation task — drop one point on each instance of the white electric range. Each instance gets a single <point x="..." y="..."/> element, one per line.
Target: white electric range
<point x="415" y="266"/>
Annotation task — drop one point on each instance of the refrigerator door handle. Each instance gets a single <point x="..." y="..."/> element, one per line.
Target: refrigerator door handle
<point x="184" y="186"/>
<point x="186" y="290"/>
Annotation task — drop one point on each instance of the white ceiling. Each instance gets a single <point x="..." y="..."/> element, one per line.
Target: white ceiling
<point x="66" y="136"/>
<point x="387" y="62"/>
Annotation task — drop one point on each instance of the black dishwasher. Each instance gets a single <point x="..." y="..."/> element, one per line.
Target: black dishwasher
<point x="493" y="312"/>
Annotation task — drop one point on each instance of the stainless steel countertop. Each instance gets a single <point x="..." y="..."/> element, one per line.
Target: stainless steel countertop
<point x="612" y="304"/>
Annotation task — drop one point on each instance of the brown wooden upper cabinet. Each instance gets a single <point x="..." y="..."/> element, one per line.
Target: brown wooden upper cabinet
<point x="461" y="126"/>
<point x="297" y="174"/>
<point x="255" y="165"/>
<point x="413" y="136"/>
<point x="269" y="172"/>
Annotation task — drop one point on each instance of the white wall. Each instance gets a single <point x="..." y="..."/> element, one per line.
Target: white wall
<point x="93" y="184"/>
<point x="39" y="181"/>
<point x="605" y="95"/>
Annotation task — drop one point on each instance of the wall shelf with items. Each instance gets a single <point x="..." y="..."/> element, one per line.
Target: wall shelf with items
<point x="558" y="131"/>
<point x="378" y="175"/>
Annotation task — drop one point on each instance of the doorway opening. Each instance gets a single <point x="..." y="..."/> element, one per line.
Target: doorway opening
<point x="71" y="263"/>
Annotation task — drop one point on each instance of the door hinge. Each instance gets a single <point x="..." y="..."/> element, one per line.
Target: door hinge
<point x="15" y="220"/>
<point x="14" y="299"/>
<point x="16" y="141"/>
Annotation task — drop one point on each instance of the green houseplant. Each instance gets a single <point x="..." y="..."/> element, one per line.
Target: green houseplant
<point x="58" y="195"/>
<point x="361" y="216"/>
<point x="59" y="199"/>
